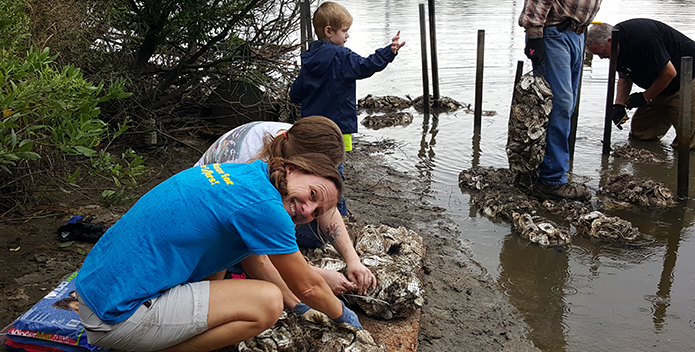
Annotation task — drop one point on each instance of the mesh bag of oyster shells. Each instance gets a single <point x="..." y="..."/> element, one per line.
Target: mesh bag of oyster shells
<point x="597" y="225"/>
<point x="528" y="122"/>
<point x="639" y="191"/>
<point x="388" y="119"/>
<point x="388" y="103"/>
<point x="394" y="255"/>
<point x="538" y="229"/>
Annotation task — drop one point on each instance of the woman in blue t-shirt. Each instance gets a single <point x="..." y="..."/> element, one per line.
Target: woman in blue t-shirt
<point x="264" y="140"/>
<point x="150" y="282"/>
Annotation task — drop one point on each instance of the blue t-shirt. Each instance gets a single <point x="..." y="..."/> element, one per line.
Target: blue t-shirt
<point x="198" y="222"/>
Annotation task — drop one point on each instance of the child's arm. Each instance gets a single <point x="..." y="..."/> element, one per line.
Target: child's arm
<point x="296" y="89"/>
<point x="394" y="43"/>
<point x="357" y="67"/>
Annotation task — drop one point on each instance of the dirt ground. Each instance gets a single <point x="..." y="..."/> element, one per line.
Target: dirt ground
<point x="464" y="309"/>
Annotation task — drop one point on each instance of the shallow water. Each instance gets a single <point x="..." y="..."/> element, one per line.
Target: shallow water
<point x="585" y="297"/>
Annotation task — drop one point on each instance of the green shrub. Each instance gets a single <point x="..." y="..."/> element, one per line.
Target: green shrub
<point x="42" y="106"/>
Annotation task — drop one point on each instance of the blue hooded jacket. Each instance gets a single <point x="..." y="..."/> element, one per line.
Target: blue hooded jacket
<point x="326" y="84"/>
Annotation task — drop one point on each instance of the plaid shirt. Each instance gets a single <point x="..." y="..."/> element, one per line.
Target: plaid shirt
<point x="539" y="13"/>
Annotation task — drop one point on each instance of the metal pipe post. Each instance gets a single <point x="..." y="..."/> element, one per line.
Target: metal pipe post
<point x="575" y="115"/>
<point x="309" y="26"/>
<point x="433" y="54"/>
<point x="425" y="75"/>
<point x="608" y="124"/>
<point x="517" y="78"/>
<point x="302" y="26"/>
<point x="477" y="115"/>
<point x="684" y="126"/>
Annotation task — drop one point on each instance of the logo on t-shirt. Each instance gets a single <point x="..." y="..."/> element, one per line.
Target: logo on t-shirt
<point x="210" y="174"/>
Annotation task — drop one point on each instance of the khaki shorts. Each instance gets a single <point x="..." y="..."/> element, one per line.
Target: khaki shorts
<point x="175" y="316"/>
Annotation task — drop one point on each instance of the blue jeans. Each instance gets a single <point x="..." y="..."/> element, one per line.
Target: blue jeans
<point x="561" y="67"/>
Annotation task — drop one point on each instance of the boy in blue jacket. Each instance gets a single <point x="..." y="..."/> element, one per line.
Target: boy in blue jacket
<point x="326" y="84"/>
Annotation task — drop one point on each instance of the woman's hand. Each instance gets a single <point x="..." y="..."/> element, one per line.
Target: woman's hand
<point x="338" y="283"/>
<point x="362" y="277"/>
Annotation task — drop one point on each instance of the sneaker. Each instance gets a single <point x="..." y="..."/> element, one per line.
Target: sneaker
<point x="569" y="191"/>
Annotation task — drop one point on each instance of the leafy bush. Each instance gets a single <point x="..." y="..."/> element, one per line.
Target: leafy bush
<point x="42" y="106"/>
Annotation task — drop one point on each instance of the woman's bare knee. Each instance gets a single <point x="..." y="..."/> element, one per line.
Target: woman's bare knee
<point x="253" y="301"/>
<point x="272" y="307"/>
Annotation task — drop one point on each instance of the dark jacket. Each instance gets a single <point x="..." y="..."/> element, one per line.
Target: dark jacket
<point x="326" y="84"/>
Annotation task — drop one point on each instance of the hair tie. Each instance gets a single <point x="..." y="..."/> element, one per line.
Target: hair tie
<point x="284" y="134"/>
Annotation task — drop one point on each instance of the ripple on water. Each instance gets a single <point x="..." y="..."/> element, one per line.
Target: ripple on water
<point x="690" y="304"/>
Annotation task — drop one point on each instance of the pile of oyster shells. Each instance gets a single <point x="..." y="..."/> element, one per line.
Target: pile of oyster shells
<point x="446" y="104"/>
<point x="394" y="255"/>
<point x="292" y="333"/>
<point x="479" y="177"/>
<point x="528" y="122"/>
<point x="388" y="103"/>
<point x="634" y="155"/>
<point x="388" y="119"/>
<point x="639" y="191"/>
<point x="496" y="196"/>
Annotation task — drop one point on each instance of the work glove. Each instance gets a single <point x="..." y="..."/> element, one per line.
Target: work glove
<point x="349" y="317"/>
<point x="535" y="50"/>
<point x="309" y="314"/>
<point x="636" y="100"/>
<point x="619" y="115"/>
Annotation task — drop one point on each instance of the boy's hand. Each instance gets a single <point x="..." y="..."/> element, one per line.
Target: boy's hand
<point x="395" y="45"/>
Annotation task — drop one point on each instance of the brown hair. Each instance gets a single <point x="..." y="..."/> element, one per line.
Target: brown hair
<point x="311" y="134"/>
<point x="312" y="163"/>
<point x="330" y="14"/>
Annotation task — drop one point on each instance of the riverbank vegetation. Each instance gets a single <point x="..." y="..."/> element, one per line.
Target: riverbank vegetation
<point x="89" y="86"/>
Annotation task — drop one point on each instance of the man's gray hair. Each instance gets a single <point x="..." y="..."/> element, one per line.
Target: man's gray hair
<point x="598" y="34"/>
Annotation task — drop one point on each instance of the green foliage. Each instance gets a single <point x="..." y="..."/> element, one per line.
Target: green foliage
<point x="124" y="176"/>
<point x="14" y="25"/>
<point x="55" y="109"/>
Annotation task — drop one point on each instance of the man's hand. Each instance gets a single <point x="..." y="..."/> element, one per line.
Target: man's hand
<point x="395" y="45"/>
<point x="349" y="317"/>
<point x="362" y="276"/>
<point x="619" y="115"/>
<point x="309" y="314"/>
<point x="535" y="50"/>
<point x="636" y="100"/>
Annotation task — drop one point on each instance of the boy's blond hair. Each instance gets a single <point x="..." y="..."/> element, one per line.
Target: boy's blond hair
<point x="330" y="14"/>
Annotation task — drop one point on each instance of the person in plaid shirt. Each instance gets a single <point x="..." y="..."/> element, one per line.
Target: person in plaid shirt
<point x="555" y="44"/>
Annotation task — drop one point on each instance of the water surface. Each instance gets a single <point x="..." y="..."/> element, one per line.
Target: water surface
<point x="586" y="296"/>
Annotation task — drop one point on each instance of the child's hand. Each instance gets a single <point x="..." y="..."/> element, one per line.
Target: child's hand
<point x="395" y="45"/>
